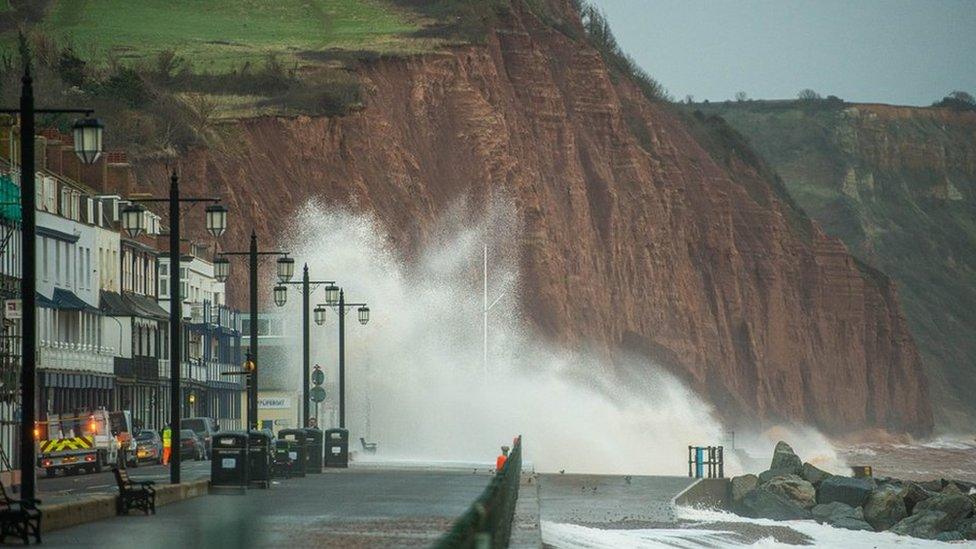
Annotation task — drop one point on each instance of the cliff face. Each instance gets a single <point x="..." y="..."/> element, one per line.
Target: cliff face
<point x="635" y="237"/>
<point x="898" y="186"/>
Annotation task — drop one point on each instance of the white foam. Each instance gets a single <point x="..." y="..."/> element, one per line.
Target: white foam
<point x="571" y="536"/>
<point x="415" y="382"/>
<point x="821" y="534"/>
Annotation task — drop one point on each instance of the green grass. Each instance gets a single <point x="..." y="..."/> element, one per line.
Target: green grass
<point x="217" y="35"/>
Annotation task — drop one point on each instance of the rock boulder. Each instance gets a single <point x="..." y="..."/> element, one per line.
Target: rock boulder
<point x="742" y="485"/>
<point x="852" y="524"/>
<point x="786" y="459"/>
<point x="760" y="503"/>
<point x="814" y="475"/>
<point x="794" y="489"/>
<point x="913" y="493"/>
<point x="956" y="507"/>
<point x="924" y="524"/>
<point x="830" y="513"/>
<point x="967" y="528"/>
<point x="884" y="508"/>
<point x="852" y="491"/>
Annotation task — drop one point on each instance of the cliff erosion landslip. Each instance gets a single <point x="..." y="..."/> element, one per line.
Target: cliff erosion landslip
<point x="635" y="238"/>
<point x="898" y="186"/>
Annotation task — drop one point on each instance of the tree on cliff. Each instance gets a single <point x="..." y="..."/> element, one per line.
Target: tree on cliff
<point x="600" y="36"/>
<point x="957" y="100"/>
<point x="808" y="95"/>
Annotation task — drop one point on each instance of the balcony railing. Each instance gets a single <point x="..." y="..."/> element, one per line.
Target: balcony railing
<point x="77" y="356"/>
<point x="203" y="371"/>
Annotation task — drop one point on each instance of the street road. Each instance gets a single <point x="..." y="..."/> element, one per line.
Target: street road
<point x="62" y="488"/>
<point x="340" y="508"/>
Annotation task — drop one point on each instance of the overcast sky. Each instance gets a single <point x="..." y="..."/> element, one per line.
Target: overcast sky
<point x="889" y="51"/>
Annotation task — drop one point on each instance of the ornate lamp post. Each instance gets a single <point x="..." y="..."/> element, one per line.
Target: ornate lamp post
<point x="87" y="134"/>
<point x="133" y="218"/>
<point x="335" y="297"/>
<point x="285" y="270"/>
<point x="308" y="286"/>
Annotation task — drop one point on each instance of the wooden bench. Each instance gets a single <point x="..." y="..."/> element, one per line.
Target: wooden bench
<point x="368" y="447"/>
<point x="137" y="494"/>
<point x="19" y="518"/>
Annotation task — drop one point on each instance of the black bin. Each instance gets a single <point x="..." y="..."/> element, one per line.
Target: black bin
<point x="337" y="448"/>
<point x="296" y="451"/>
<point x="260" y="456"/>
<point x="313" y="450"/>
<point x="282" y="462"/>
<point x="228" y="465"/>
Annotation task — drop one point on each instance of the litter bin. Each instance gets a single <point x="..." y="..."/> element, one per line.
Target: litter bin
<point x="259" y="457"/>
<point x="297" y="450"/>
<point x="313" y="452"/>
<point x="282" y="462"/>
<point x="337" y="448"/>
<point x="228" y="464"/>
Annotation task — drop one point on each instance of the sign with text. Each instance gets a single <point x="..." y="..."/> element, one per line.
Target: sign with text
<point x="274" y="403"/>
<point x="13" y="309"/>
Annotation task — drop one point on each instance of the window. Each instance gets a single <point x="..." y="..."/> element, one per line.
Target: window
<point x="88" y="269"/>
<point x="67" y="264"/>
<point x="57" y="261"/>
<point x="80" y="281"/>
<point x="44" y="258"/>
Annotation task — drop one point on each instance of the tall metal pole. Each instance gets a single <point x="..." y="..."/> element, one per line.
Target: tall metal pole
<point x="175" y="328"/>
<point x="305" y="351"/>
<point x="28" y="374"/>
<point x="252" y="397"/>
<point x="484" y="363"/>
<point x="342" y="359"/>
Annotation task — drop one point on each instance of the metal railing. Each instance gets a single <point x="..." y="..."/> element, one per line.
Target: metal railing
<point x="76" y="356"/>
<point x="488" y="522"/>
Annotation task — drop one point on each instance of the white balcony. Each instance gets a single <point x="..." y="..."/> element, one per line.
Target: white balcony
<point x="56" y="355"/>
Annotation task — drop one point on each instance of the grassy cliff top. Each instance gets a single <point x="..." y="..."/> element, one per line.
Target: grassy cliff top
<point x="219" y="35"/>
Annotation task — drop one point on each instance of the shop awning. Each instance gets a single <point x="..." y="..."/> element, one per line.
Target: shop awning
<point x="66" y="300"/>
<point x="45" y="302"/>
<point x="147" y="306"/>
<point x="112" y="304"/>
<point x="129" y="304"/>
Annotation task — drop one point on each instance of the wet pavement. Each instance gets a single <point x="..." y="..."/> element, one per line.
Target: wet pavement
<point x="357" y="507"/>
<point x="593" y="500"/>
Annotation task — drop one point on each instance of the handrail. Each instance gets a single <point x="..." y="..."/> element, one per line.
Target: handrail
<point x="488" y="522"/>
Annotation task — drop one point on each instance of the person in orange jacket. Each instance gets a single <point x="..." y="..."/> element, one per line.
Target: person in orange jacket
<point x="500" y="462"/>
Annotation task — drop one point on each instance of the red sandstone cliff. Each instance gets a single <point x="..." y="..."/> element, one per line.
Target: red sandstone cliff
<point x="651" y="245"/>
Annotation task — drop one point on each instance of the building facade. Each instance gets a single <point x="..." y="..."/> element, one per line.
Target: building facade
<point x="211" y="341"/>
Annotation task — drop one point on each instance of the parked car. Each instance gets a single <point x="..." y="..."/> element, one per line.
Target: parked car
<point x="206" y="427"/>
<point x="191" y="445"/>
<point x="149" y="447"/>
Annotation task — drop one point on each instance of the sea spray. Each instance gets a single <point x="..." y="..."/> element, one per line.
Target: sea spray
<point x="414" y="374"/>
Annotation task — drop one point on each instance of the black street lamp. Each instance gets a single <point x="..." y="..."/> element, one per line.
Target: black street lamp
<point x="132" y="221"/>
<point x="308" y="286"/>
<point x="285" y="270"/>
<point x="87" y="134"/>
<point x="334" y="292"/>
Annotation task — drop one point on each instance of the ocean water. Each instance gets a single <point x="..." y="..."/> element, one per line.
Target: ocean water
<point x="701" y="528"/>
<point x="951" y="458"/>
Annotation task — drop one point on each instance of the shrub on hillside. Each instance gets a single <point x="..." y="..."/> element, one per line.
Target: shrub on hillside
<point x="957" y="100"/>
<point x="601" y="37"/>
